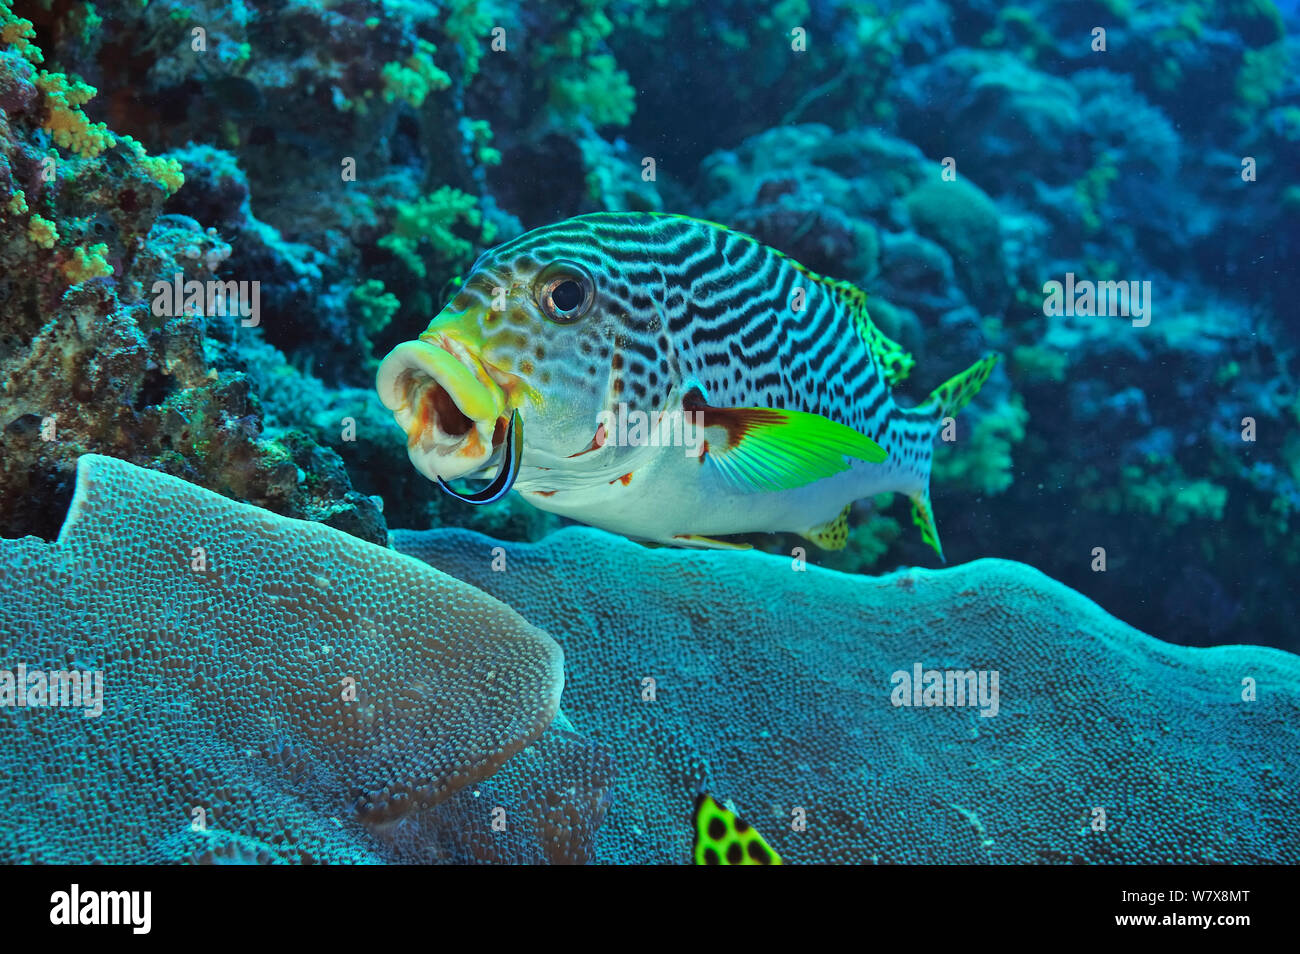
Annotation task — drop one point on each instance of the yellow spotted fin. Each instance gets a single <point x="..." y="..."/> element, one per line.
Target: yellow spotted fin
<point x="894" y="360"/>
<point x="831" y="535"/>
<point x="724" y="838"/>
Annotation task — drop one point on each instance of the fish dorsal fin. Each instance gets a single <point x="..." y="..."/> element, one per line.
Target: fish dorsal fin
<point x="724" y="838"/>
<point x="831" y="535"/>
<point x="895" y="361"/>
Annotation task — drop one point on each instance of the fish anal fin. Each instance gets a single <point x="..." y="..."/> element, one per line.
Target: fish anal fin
<point x="831" y="535"/>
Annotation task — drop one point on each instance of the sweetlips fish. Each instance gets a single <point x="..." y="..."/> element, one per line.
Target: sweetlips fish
<point x="679" y="382"/>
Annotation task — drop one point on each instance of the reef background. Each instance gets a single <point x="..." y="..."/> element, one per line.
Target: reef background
<point x="231" y="161"/>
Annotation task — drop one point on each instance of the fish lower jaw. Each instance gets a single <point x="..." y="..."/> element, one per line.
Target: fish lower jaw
<point x="443" y="440"/>
<point x="437" y="454"/>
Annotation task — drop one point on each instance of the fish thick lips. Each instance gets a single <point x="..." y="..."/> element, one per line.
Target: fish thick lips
<point x="449" y="408"/>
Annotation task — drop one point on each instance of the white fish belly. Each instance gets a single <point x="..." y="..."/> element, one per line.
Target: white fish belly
<point x="674" y="496"/>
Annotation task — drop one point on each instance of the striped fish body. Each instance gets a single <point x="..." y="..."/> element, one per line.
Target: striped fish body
<point x="679" y="381"/>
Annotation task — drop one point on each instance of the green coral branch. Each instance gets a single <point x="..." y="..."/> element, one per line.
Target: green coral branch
<point x="428" y="223"/>
<point x="414" y="79"/>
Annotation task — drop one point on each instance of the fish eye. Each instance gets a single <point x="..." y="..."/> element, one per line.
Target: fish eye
<point x="565" y="291"/>
<point x="567" y="295"/>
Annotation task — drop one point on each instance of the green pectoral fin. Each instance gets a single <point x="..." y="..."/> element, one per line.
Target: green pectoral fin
<point x="770" y="450"/>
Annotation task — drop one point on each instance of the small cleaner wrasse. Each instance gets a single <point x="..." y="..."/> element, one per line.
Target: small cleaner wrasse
<point x="668" y="379"/>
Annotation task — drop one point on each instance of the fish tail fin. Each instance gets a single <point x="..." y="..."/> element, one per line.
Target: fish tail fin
<point x="944" y="402"/>
<point x="955" y="393"/>
<point x="923" y="517"/>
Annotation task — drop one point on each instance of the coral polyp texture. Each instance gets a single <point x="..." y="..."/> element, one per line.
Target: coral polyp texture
<point x="772" y="688"/>
<point x="272" y="688"/>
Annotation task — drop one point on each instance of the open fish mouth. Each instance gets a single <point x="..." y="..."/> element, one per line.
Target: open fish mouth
<point x="454" y="414"/>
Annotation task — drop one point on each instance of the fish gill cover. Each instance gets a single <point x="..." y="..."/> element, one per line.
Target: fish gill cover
<point x="285" y="285"/>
